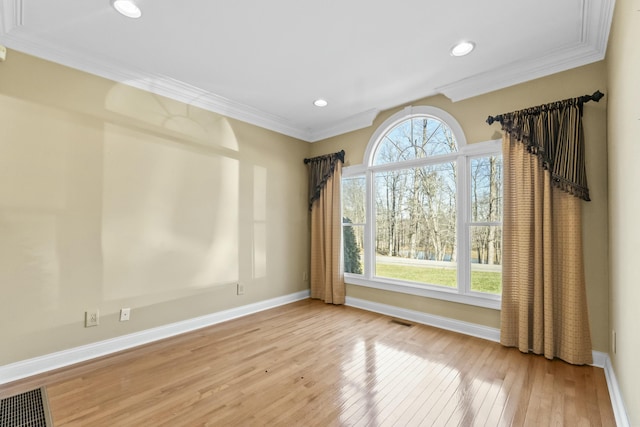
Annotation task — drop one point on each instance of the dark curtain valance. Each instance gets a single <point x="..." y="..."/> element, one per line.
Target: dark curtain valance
<point x="320" y="170"/>
<point x="554" y="133"/>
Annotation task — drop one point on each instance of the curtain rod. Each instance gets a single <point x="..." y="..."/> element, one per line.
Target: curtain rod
<point x="340" y="155"/>
<point x="596" y="96"/>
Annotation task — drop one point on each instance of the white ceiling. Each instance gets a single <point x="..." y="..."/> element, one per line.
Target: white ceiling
<point x="265" y="62"/>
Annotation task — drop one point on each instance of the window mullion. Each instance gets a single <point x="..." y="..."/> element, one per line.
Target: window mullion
<point x="369" y="236"/>
<point x="462" y="229"/>
<point x="414" y="163"/>
<point x="486" y="223"/>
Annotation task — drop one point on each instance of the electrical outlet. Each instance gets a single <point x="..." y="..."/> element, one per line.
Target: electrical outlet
<point x="91" y="318"/>
<point x="125" y="314"/>
<point x="304" y="276"/>
<point x="240" y="288"/>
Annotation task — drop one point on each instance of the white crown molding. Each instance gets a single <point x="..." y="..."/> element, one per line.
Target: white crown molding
<point x="359" y="121"/>
<point x="12" y="13"/>
<point x="591" y="47"/>
<point x="521" y="71"/>
<point x="192" y="95"/>
<point x="597" y="15"/>
<point x="49" y="362"/>
<point x="154" y="83"/>
<point x="597" y="23"/>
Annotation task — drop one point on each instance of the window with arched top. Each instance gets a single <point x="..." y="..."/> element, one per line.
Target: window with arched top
<point x="423" y="213"/>
<point x="416" y="137"/>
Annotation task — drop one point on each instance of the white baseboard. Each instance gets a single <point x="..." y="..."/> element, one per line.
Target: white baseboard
<point x="49" y="362"/>
<point x="600" y="359"/>
<point x="485" y="332"/>
<point x="619" y="411"/>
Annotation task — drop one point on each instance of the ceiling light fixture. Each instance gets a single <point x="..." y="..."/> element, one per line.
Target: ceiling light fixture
<point x="128" y="8"/>
<point x="462" y="48"/>
<point x="320" y="103"/>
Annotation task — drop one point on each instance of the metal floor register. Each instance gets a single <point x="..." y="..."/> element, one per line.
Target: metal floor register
<point x="29" y="409"/>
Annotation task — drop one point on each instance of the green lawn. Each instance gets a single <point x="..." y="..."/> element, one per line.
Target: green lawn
<point x="481" y="281"/>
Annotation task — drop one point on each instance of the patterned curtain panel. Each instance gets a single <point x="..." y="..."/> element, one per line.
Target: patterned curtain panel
<point x="553" y="132"/>
<point x="321" y="168"/>
<point x="327" y="275"/>
<point x="544" y="301"/>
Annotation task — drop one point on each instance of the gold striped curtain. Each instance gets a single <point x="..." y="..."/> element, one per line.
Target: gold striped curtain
<point x="544" y="301"/>
<point x="327" y="273"/>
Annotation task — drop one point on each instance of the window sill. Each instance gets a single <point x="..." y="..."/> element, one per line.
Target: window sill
<point x="479" y="300"/>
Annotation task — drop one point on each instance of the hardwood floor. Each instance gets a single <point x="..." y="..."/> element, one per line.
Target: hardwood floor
<point x="312" y="364"/>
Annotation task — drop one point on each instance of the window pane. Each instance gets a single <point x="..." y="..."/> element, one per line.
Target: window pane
<point x="416" y="224"/>
<point x="486" y="259"/>
<point x="353" y="241"/>
<point x="415" y="138"/>
<point x="353" y="200"/>
<point x="486" y="189"/>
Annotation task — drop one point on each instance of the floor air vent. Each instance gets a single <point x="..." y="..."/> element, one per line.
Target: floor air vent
<point x="29" y="409"/>
<point x="402" y="322"/>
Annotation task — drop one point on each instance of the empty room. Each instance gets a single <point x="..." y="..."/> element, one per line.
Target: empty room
<point x="282" y="213"/>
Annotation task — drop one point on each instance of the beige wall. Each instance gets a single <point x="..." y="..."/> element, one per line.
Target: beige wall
<point x="114" y="197"/>
<point x="471" y="114"/>
<point x="623" y="60"/>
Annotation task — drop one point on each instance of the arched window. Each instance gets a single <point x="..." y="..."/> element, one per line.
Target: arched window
<point x="415" y="138"/>
<point x="423" y="213"/>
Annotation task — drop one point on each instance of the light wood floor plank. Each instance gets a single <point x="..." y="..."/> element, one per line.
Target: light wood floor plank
<point x="312" y="364"/>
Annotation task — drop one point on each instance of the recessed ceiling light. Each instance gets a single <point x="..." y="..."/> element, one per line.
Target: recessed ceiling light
<point x="127" y="7"/>
<point x="320" y="103"/>
<point x="462" y="48"/>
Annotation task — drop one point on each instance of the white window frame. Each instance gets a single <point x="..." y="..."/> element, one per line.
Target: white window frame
<point x="463" y="294"/>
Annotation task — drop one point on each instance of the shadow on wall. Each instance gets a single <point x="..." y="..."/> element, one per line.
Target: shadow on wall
<point x="142" y="206"/>
<point x="169" y="205"/>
